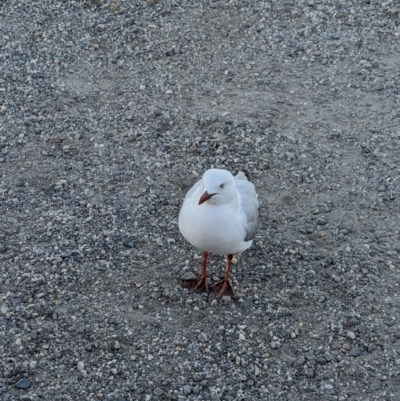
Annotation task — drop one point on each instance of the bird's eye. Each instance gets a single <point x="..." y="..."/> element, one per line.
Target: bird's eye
<point x="222" y="186"/>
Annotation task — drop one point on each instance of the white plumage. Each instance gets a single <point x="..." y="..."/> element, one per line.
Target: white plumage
<point x="220" y="214"/>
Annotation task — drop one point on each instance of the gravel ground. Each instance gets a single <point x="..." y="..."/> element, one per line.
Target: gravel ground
<point x="110" y="111"/>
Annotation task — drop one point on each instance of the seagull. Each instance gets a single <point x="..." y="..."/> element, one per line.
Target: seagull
<point x="219" y="215"/>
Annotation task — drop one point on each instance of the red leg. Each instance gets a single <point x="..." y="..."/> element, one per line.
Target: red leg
<point x="201" y="284"/>
<point x="224" y="287"/>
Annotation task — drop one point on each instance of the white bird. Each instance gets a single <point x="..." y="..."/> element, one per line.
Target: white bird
<point x="219" y="215"/>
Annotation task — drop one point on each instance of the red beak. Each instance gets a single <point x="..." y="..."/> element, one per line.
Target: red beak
<point x="205" y="197"/>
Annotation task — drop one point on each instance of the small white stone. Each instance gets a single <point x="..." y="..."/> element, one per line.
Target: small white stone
<point x="80" y="365"/>
<point x="242" y="337"/>
<point x="32" y="364"/>
<point x="351" y="335"/>
<point x="4" y="310"/>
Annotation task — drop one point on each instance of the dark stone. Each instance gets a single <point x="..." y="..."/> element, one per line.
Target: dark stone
<point x="129" y="243"/>
<point x="356" y="351"/>
<point x="389" y="322"/>
<point x="320" y="221"/>
<point x="49" y="191"/>
<point x="248" y="303"/>
<point x="23" y="384"/>
<point x="301" y="360"/>
<point x="158" y="392"/>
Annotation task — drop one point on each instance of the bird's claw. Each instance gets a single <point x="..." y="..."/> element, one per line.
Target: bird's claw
<point x="199" y="285"/>
<point x="223" y="287"/>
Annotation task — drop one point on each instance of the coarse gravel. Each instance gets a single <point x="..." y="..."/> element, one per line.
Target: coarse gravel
<point x="110" y="111"/>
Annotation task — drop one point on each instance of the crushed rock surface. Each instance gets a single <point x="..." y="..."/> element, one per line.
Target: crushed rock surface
<point x="110" y="111"/>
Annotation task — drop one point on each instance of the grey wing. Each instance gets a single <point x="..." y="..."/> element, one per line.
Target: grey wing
<point x="248" y="204"/>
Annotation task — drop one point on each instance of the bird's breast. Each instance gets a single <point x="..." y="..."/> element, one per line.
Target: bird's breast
<point x="213" y="229"/>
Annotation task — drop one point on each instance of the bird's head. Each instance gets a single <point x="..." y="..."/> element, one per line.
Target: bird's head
<point x="218" y="187"/>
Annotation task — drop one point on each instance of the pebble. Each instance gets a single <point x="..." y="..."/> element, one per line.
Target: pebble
<point x="356" y="351"/>
<point x="129" y="243"/>
<point x="350" y="335"/>
<point x="156" y="294"/>
<point x="4" y="310"/>
<point x="188" y="276"/>
<point x="187" y="389"/>
<point x="158" y="392"/>
<point x="247" y="303"/>
<point x="389" y="322"/>
<point x="301" y="360"/>
<point x="320" y="221"/>
<point x="80" y="365"/>
<point x="275" y="344"/>
<point x="23" y="384"/>
<point x="202" y="337"/>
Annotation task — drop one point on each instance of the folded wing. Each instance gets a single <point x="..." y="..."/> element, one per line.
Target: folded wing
<point x="248" y="204"/>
